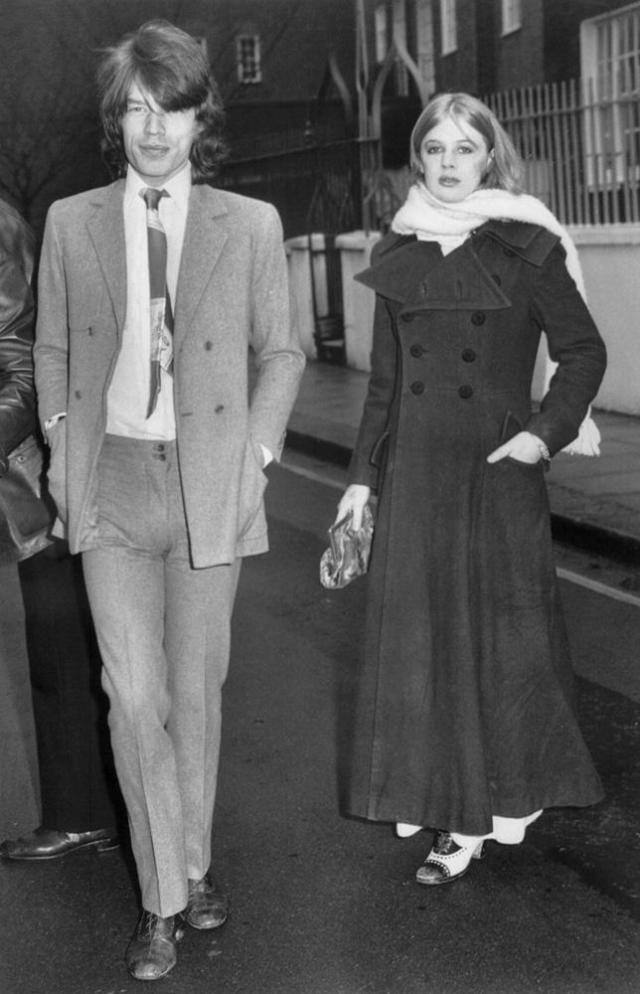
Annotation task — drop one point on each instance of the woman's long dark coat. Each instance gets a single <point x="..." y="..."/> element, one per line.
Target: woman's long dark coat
<point x="465" y="695"/>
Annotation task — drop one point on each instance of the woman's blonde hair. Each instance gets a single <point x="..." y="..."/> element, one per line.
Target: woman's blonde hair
<point x="504" y="171"/>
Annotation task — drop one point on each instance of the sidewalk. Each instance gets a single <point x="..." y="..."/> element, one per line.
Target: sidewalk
<point x="595" y="503"/>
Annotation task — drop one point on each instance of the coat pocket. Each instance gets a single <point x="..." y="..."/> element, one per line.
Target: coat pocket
<point x="512" y="426"/>
<point x="253" y="483"/>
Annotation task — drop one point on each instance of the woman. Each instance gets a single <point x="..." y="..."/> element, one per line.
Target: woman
<point x="464" y="719"/>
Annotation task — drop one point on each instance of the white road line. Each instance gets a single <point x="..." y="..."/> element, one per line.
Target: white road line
<point x="564" y="574"/>
<point x="598" y="588"/>
<point x="311" y="474"/>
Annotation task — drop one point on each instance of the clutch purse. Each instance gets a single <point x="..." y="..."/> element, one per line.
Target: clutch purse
<point x="348" y="554"/>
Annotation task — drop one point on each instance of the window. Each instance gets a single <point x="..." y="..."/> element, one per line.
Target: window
<point x="511" y="16"/>
<point x="448" y="26"/>
<point x="382" y="42"/>
<point x="248" y="58"/>
<point x="400" y="31"/>
<point x="610" y="61"/>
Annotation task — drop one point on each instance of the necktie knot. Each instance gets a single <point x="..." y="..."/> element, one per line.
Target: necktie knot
<point x="152" y="197"/>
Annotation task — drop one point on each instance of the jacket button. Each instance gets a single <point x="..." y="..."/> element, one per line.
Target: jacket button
<point x="416" y="351"/>
<point x="424" y="287"/>
<point x="468" y="355"/>
<point x="496" y="279"/>
<point x="408" y="317"/>
<point x="478" y="317"/>
<point x="465" y="391"/>
<point x="508" y="252"/>
<point x="417" y="387"/>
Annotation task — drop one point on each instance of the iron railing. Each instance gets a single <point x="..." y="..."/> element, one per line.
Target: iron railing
<point x="581" y="150"/>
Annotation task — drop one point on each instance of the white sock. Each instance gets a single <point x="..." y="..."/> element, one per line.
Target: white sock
<point x="404" y="830"/>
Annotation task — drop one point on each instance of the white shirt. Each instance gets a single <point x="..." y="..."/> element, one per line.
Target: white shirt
<point x="128" y="394"/>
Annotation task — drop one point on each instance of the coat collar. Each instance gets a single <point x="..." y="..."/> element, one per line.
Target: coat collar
<point x="205" y="236"/>
<point x="203" y="242"/>
<point x="529" y="241"/>
<point x="105" y="225"/>
<point x="418" y="276"/>
<point x="401" y="267"/>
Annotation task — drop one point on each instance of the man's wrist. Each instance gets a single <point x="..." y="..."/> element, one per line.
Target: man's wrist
<point x="52" y="422"/>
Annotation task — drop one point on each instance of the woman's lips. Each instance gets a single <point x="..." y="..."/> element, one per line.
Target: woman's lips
<point x="448" y="181"/>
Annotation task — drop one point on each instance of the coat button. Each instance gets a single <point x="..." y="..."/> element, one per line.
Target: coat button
<point x="509" y="253"/>
<point x="424" y="287"/>
<point x="465" y="391"/>
<point x="496" y="279"/>
<point x="478" y="317"/>
<point x="416" y="351"/>
<point x="417" y="387"/>
<point x="408" y="317"/>
<point x="468" y="355"/>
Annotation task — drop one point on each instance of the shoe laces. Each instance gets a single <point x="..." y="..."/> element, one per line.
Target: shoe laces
<point x="444" y="844"/>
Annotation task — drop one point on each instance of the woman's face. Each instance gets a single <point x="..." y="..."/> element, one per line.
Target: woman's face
<point x="454" y="158"/>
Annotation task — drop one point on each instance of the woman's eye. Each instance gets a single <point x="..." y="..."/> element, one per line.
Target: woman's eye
<point x="433" y="149"/>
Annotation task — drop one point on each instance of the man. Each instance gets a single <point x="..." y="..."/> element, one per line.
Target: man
<point x="76" y="808"/>
<point x="152" y="290"/>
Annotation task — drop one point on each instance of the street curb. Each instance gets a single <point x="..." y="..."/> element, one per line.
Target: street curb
<point x="320" y="448"/>
<point x="585" y="535"/>
<point x="596" y="539"/>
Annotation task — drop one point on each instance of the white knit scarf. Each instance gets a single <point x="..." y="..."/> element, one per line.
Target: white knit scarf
<point x="429" y="219"/>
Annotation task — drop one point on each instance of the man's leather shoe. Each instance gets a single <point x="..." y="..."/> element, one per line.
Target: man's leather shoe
<point x="207" y="906"/>
<point x="47" y="843"/>
<point x="152" y="952"/>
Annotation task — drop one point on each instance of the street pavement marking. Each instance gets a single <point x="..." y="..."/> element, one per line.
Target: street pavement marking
<point x="564" y="574"/>
<point x="597" y="587"/>
<point x="311" y="474"/>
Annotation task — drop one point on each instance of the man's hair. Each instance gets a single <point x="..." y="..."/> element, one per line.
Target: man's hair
<point x="170" y="65"/>
<point x="505" y="167"/>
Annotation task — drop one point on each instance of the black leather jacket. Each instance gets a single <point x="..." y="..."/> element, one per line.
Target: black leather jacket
<point x="17" y="395"/>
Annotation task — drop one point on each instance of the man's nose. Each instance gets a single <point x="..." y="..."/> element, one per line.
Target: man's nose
<point x="154" y="122"/>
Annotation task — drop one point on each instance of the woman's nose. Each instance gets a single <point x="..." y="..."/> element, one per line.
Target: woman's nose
<point x="447" y="158"/>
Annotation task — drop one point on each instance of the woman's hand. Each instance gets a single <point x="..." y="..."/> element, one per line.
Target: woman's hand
<point x="353" y="500"/>
<point x="524" y="447"/>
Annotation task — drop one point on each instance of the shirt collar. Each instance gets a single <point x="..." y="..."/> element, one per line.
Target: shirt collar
<point x="178" y="187"/>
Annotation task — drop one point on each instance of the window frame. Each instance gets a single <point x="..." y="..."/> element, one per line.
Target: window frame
<point x="511" y="16"/>
<point x="448" y="27"/>
<point x="247" y="76"/>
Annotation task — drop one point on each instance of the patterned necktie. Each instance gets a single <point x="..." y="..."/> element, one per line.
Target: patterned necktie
<point x="161" y="313"/>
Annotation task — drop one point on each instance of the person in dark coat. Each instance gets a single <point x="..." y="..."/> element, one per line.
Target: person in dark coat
<point x="464" y="720"/>
<point x="79" y="802"/>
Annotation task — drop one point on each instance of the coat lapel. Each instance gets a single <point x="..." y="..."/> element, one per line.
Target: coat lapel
<point x="106" y="231"/>
<point x="204" y="240"/>
<point x="417" y="275"/>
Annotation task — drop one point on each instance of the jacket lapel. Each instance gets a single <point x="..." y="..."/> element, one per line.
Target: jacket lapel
<point x="205" y="237"/>
<point x="106" y="231"/>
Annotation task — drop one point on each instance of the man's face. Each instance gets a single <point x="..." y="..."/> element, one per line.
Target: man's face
<point x="157" y="143"/>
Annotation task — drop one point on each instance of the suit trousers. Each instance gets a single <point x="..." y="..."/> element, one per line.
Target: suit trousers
<point x="163" y="629"/>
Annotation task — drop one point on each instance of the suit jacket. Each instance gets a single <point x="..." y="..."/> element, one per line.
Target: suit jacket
<point x="232" y="294"/>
